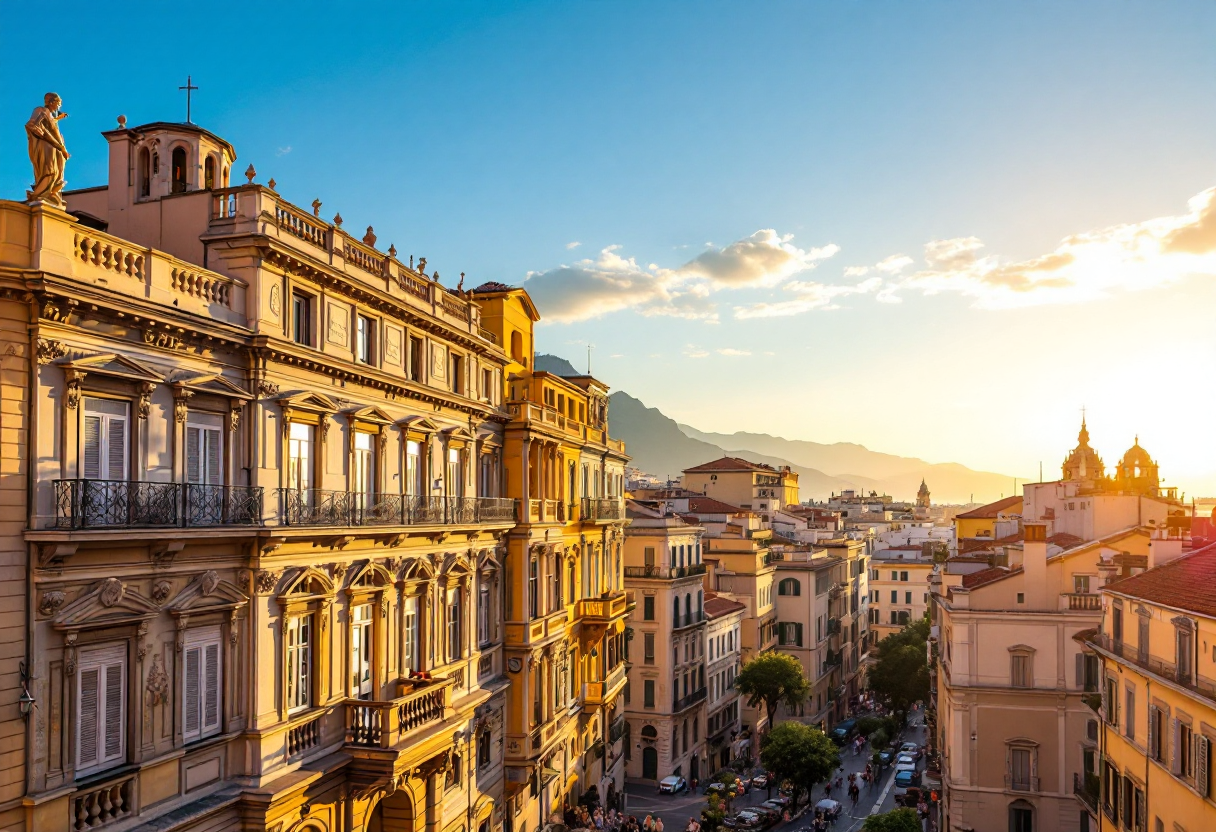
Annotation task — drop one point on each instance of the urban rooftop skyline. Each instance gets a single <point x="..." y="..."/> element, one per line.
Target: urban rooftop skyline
<point x="938" y="231"/>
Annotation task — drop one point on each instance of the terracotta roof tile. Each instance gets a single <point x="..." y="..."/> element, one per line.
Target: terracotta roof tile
<point x="716" y="607"/>
<point x="1188" y="583"/>
<point x="731" y="463"/>
<point x="987" y="576"/>
<point x="708" y="505"/>
<point x="990" y="510"/>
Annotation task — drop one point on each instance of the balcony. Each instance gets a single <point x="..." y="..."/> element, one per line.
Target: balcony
<point x="602" y="510"/>
<point x="665" y="573"/>
<point x="547" y="511"/>
<point x="1081" y="601"/>
<point x="602" y="610"/>
<point x="1086" y="788"/>
<point x="1169" y="671"/>
<point x="323" y="507"/>
<point x="386" y="724"/>
<point x="126" y="504"/>
<point x="691" y="619"/>
<point x="102" y="805"/>
<point x="833" y="626"/>
<point x="773" y="557"/>
<point x="618" y="729"/>
<point x="681" y="702"/>
<point x="597" y="694"/>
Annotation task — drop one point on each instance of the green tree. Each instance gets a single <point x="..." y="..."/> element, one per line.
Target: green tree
<point x="713" y="814"/>
<point x="900" y="673"/>
<point x="898" y="820"/>
<point x="799" y="753"/>
<point x="774" y="679"/>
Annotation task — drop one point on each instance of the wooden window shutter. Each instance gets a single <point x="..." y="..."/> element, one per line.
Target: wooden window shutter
<point x="798" y="634"/>
<point x="92" y="447"/>
<point x="1152" y="732"/>
<point x="1202" y="750"/>
<point x="1141" y="812"/>
<point x="86" y="755"/>
<point x="190" y="693"/>
<point x="211" y="687"/>
<point x="1175" y="759"/>
<point x="116" y="458"/>
<point x="1106" y="703"/>
<point x="193" y="454"/>
<point x="1081" y="670"/>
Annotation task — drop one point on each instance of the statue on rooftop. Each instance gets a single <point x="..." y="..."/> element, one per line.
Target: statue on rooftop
<point x="47" y="152"/>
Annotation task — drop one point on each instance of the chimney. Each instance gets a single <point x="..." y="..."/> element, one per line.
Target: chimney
<point x="1162" y="548"/>
<point x="1034" y="564"/>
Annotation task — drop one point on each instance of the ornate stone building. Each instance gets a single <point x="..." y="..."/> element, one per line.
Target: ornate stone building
<point x="270" y="520"/>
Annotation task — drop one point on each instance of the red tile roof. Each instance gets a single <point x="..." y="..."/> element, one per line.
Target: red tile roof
<point x="990" y="510"/>
<point x="708" y="505"/>
<point x="717" y="606"/>
<point x="730" y="463"/>
<point x="987" y="576"/>
<point x="1188" y="583"/>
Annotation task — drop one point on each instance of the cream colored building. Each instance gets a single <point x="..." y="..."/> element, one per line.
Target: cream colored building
<point x="665" y="707"/>
<point x="748" y="485"/>
<point x="276" y="509"/>
<point x="899" y="588"/>
<point x="723" y="721"/>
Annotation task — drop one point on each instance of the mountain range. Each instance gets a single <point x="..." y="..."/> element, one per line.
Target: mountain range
<point x="662" y="447"/>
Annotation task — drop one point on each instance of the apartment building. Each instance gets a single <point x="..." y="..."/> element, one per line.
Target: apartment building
<point x="723" y="721"/>
<point x="748" y="485"/>
<point x="1152" y="768"/>
<point x="666" y="705"/>
<point x="899" y="588"/>
<point x="279" y="489"/>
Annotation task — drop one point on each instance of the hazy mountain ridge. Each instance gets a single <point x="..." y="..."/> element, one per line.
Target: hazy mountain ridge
<point x="662" y="447"/>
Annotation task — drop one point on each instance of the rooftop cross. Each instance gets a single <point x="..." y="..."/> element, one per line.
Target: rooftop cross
<point x="189" y="88"/>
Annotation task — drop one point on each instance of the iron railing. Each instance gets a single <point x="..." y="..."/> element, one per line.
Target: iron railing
<point x="99" y="504"/>
<point x="324" y="507"/>
<point x="610" y="508"/>
<point x="664" y="572"/>
<point x="1086" y="787"/>
<point x="679" y="703"/>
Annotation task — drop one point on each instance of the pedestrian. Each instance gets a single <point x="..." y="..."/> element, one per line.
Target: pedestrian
<point x="658" y="825"/>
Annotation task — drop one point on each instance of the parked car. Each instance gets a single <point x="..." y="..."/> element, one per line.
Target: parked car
<point x="672" y="785"/>
<point x="910" y="748"/>
<point x="844" y="731"/>
<point x="748" y="821"/>
<point x="781" y="800"/>
<point x="905" y="760"/>
<point x="720" y="789"/>
<point x="760" y="781"/>
<point x="886" y="756"/>
<point x="904" y="780"/>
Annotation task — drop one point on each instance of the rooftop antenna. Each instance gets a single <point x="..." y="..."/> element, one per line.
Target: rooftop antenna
<point x="1040" y="470"/>
<point x="590" y="347"/>
<point x="189" y="88"/>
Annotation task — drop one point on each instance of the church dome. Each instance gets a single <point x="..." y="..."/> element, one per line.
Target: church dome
<point x="1136" y="457"/>
<point x="1083" y="463"/>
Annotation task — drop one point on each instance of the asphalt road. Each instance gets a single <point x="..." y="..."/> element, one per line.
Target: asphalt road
<point x="675" y="810"/>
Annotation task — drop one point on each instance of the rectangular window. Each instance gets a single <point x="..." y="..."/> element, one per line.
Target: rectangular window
<point x="534" y="589"/>
<point x="411" y="647"/>
<point x="455" y="473"/>
<point x="301" y="318"/>
<point x="903" y="576"/>
<point x="361" y="651"/>
<point x="1129" y="713"/>
<point x="648" y="653"/>
<point x="204" y="448"/>
<point x="894" y="596"/>
<point x="1156" y="734"/>
<point x="1020" y="671"/>
<point x="907" y="597"/>
<point x="483" y="749"/>
<point x="106" y="426"/>
<point x="648" y="608"/>
<point x="299" y="662"/>
<point x="457" y="372"/>
<point x="414" y="485"/>
<point x="453" y="622"/>
<point x="483" y="615"/>
<point x="365" y="339"/>
<point x="415" y="359"/>
<point x="1019" y="769"/>
<point x="648" y="693"/>
<point x="363" y="476"/>
<point x="487" y="385"/>
<point x="1080" y="584"/>
<point x="101" y="683"/>
<point x="202" y="686"/>
<point x="299" y="455"/>
<point x="1184" y="766"/>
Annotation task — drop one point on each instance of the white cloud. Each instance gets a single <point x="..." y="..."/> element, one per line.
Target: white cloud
<point x="609" y="283"/>
<point x="1083" y="267"/>
<point x="573" y="245"/>
<point x="733" y="352"/>
<point x="695" y="352"/>
<point x="894" y="264"/>
<point x="812" y="295"/>
<point x="283" y="151"/>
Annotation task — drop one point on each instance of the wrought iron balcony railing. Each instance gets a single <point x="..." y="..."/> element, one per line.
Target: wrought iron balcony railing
<point x="116" y="504"/>
<point x="610" y="508"/>
<point x="679" y="703"/>
<point x="324" y="507"/>
<point x="665" y="572"/>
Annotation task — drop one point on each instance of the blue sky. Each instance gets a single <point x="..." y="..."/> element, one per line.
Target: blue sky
<point x="770" y="175"/>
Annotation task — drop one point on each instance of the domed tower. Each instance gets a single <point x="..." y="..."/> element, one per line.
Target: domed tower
<point x="1137" y="472"/>
<point x="1083" y="464"/>
<point x="922" y="496"/>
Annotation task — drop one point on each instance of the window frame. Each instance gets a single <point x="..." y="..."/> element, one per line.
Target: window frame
<point x="303" y="326"/>
<point x="100" y="657"/>
<point x="200" y="639"/>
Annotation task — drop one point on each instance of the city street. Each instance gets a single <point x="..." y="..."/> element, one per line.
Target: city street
<point x="675" y="810"/>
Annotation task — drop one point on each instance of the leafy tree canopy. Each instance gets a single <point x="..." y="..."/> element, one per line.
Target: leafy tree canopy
<point x="900" y="673"/>
<point x="773" y="679"/>
<point x="899" y="820"/>
<point x="799" y="753"/>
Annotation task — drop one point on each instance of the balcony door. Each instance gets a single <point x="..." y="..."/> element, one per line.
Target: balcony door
<point x="363" y="473"/>
<point x="299" y="456"/>
<point x="107" y="426"/>
<point x="205" y="467"/>
<point x="361" y="651"/>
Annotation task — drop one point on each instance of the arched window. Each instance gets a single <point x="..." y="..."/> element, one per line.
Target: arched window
<point x="209" y="173"/>
<point x="700" y="602"/>
<point x="675" y="613"/>
<point x="789" y="586"/>
<point x="145" y="172"/>
<point x="517" y="347"/>
<point x="179" y="171"/>
<point x="687" y="608"/>
<point x="649" y="732"/>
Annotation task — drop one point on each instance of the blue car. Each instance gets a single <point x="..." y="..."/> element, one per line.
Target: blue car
<point x="905" y="780"/>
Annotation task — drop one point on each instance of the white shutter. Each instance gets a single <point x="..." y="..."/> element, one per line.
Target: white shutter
<point x="92" y="447"/>
<point x="190" y="693"/>
<point x="116" y="448"/>
<point x="201" y="706"/>
<point x="193" y="454"/>
<point x="211" y="688"/>
<point x="1081" y="670"/>
<point x="101" y="708"/>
